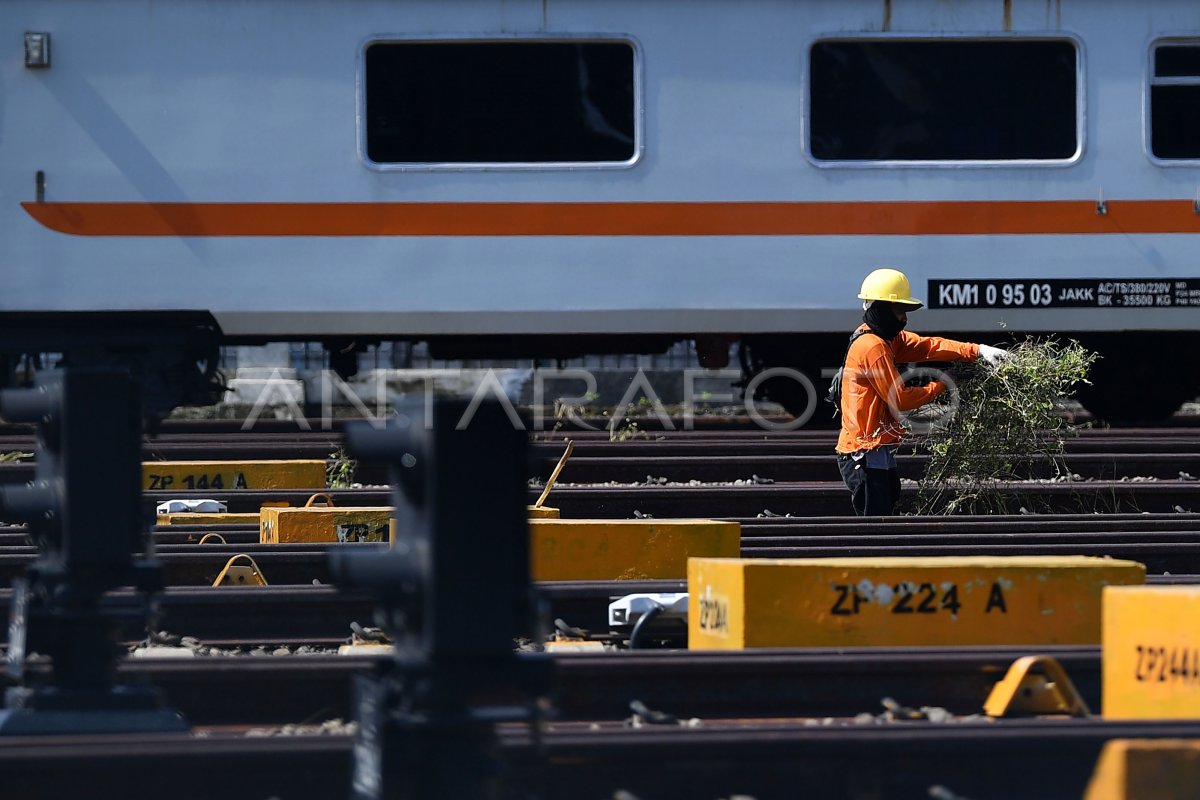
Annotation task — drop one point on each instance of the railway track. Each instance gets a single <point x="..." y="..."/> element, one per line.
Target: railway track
<point x="307" y="614"/>
<point x="299" y="615"/>
<point x="772" y="719"/>
<point x="711" y="473"/>
<point x="799" y="499"/>
<point x="760" y="527"/>
<point x="199" y="565"/>
<point x="711" y="468"/>
<point x="760" y="758"/>
<point x="752" y="446"/>
<point x="738" y="460"/>
<point x="761" y="684"/>
<point x="734" y="473"/>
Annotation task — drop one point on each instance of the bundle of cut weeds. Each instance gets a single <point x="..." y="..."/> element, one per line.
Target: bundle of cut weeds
<point x="1007" y="421"/>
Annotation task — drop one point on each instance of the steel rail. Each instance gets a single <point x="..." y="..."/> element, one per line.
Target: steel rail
<point x="824" y="498"/>
<point x="296" y="615"/>
<point x="766" y="684"/>
<point x="758" y="528"/>
<point x="987" y="761"/>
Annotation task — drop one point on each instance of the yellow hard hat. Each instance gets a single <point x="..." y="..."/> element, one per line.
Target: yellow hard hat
<point x="890" y="285"/>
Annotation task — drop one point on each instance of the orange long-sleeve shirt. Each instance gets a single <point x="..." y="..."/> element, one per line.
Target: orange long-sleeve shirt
<point x="871" y="376"/>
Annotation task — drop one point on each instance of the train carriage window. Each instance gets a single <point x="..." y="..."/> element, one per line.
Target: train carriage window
<point x="943" y="100"/>
<point x="1175" y="101"/>
<point x="499" y="102"/>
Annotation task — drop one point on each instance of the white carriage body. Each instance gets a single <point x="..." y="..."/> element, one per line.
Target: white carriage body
<point x="230" y="121"/>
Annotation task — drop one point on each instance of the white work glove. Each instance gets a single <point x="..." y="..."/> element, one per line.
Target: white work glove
<point x="991" y="355"/>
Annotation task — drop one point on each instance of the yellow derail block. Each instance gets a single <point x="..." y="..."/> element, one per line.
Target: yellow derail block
<point x="625" y="549"/>
<point x="226" y="475"/>
<point x="201" y="518"/>
<point x="325" y="524"/>
<point x="1136" y="769"/>
<point x="861" y="602"/>
<point x="1151" y="652"/>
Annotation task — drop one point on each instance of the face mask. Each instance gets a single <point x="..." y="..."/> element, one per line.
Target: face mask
<point x="881" y="319"/>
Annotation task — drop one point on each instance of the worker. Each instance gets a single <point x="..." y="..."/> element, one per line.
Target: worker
<point x="872" y="393"/>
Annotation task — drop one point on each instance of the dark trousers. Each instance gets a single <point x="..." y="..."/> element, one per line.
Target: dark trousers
<point x="873" y="492"/>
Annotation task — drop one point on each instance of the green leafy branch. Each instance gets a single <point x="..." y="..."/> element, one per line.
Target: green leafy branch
<point x="1006" y="427"/>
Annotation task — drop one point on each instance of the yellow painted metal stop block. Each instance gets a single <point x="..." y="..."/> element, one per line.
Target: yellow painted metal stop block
<point x="625" y="549"/>
<point x="1151" y="652"/>
<point x="861" y="602"/>
<point x="325" y="524"/>
<point x="1137" y="769"/>
<point x="1035" y="686"/>
<point x="226" y="475"/>
<point x="241" y="570"/>
<point x="542" y="512"/>
<point x="200" y="518"/>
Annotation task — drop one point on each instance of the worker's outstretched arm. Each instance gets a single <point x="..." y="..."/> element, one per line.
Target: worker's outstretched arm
<point x="908" y="346"/>
<point x="883" y="377"/>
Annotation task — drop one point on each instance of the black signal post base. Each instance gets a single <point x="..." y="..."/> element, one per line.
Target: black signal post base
<point x="60" y="712"/>
<point x="84" y="513"/>
<point x="454" y="593"/>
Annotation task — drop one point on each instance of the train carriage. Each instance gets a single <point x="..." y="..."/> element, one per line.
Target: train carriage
<point x="555" y="177"/>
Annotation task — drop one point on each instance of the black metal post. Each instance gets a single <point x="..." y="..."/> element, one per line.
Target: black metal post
<point x="454" y="592"/>
<point x="84" y="512"/>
